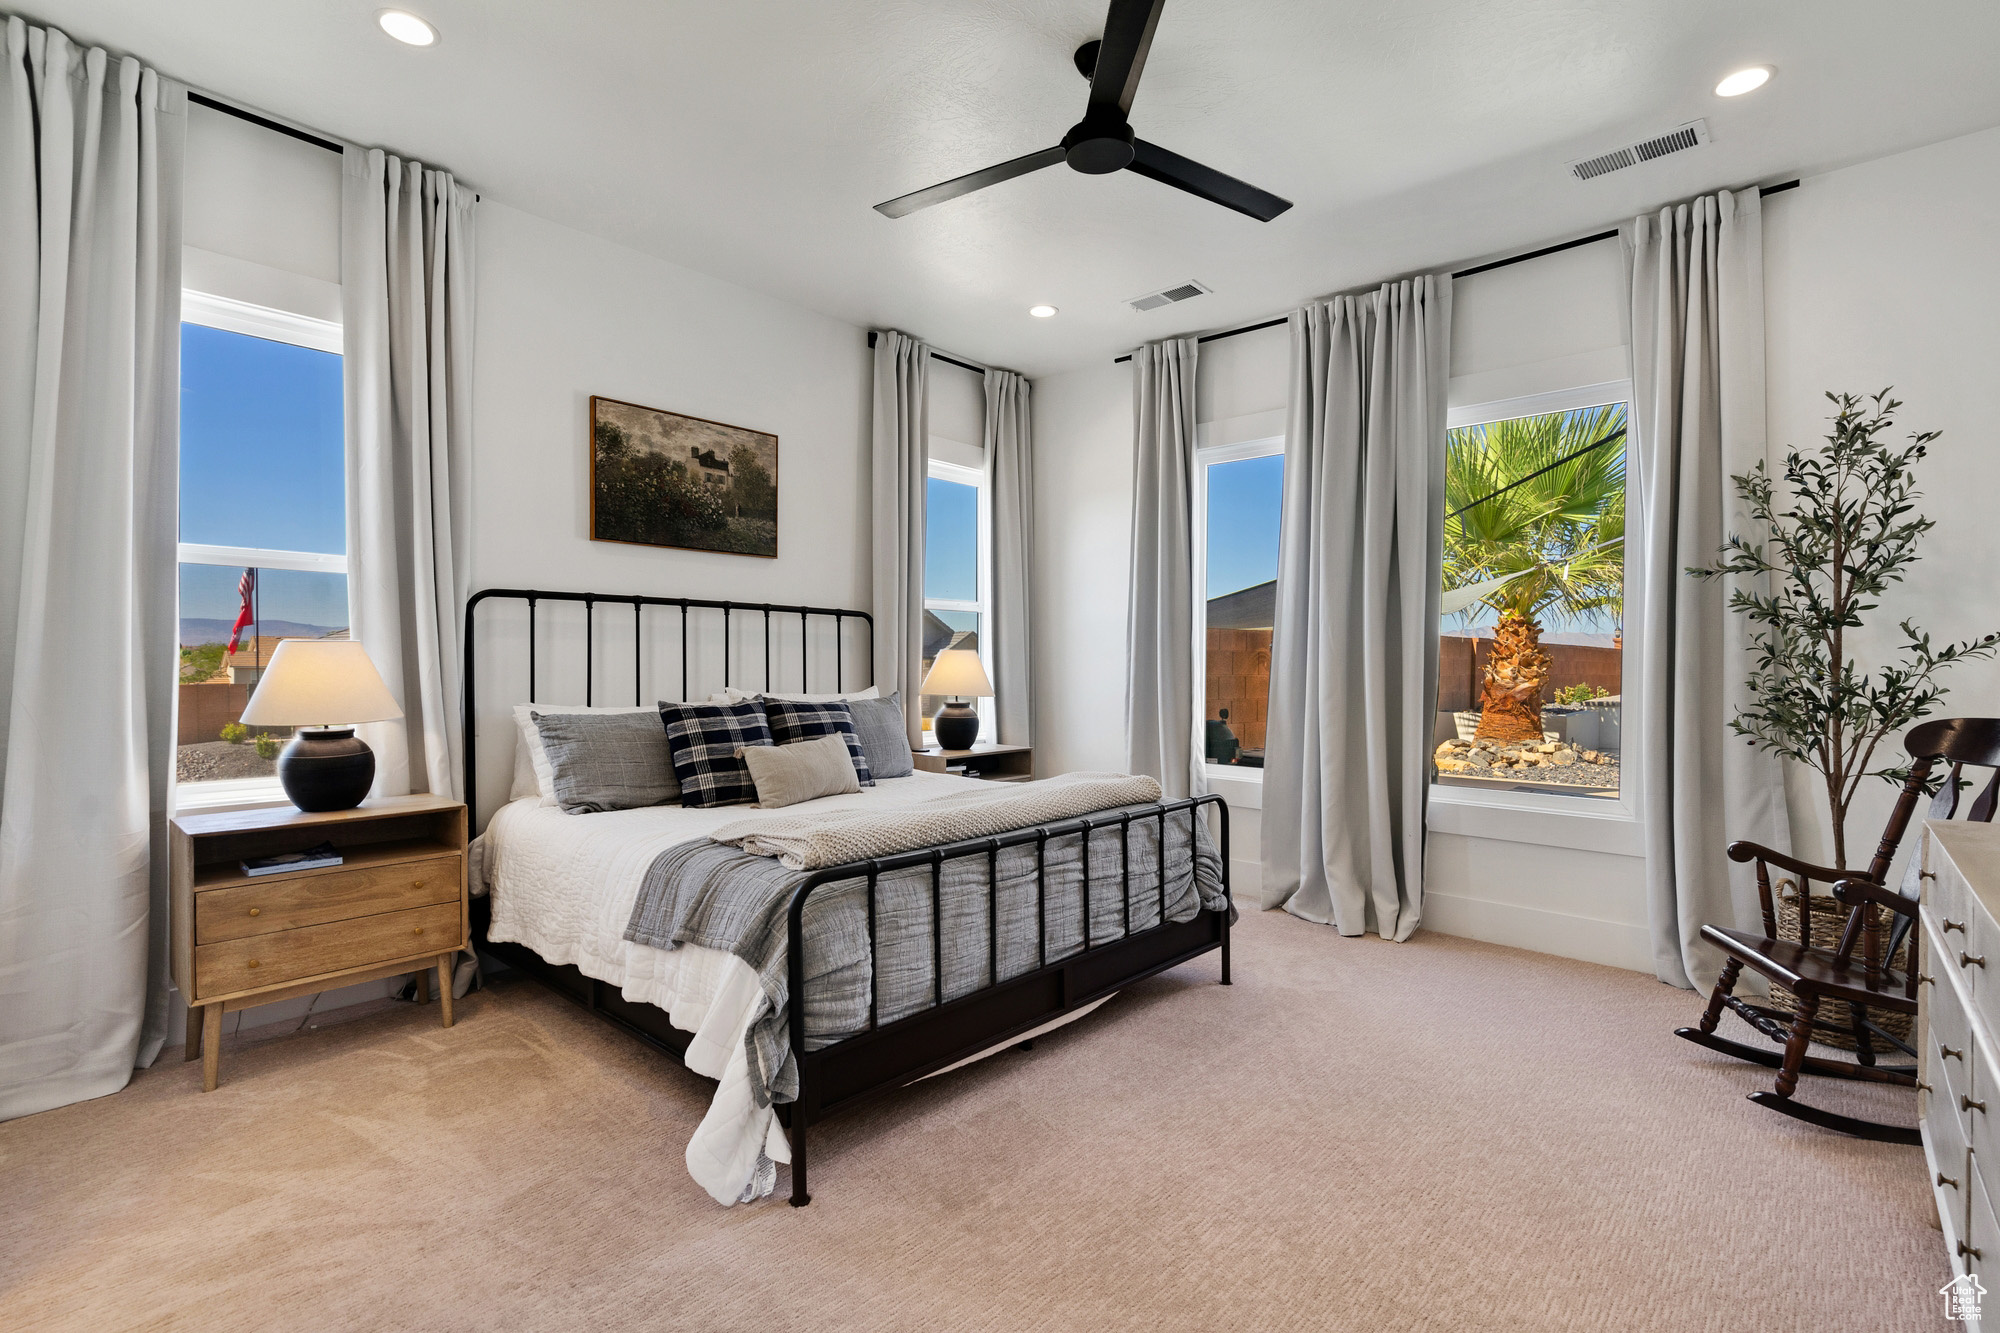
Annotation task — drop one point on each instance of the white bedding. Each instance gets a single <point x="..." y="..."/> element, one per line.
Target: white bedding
<point x="564" y="885"/>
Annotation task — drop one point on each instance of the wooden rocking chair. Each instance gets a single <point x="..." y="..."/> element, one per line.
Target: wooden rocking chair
<point x="1816" y="974"/>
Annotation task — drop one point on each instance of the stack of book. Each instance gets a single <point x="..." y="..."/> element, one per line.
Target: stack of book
<point x="312" y="858"/>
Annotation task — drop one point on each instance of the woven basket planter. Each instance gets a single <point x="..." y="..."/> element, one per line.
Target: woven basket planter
<point x="1829" y="919"/>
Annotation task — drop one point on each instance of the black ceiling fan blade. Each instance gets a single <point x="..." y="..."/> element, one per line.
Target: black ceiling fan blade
<point x="904" y="204"/>
<point x="1121" y="55"/>
<point x="1170" y="168"/>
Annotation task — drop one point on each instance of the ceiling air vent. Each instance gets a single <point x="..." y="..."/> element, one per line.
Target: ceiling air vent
<point x="1673" y="141"/>
<point x="1154" y="300"/>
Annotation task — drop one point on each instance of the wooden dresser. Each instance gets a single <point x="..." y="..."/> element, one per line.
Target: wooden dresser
<point x="1959" y="1007"/>
<point x="396" y="904"/>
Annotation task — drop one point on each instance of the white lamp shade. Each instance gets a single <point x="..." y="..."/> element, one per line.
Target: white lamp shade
<point x="320" y="683"/>
<point x="957" y="671"/>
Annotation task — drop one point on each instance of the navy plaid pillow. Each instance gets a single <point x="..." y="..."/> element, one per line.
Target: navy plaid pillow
<point x="704" y="739"/>
<point x="793" y="722"/>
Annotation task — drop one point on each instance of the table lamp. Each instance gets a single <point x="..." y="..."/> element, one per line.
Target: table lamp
<point x="957" y="671"/>
<point x="323" y="687"/>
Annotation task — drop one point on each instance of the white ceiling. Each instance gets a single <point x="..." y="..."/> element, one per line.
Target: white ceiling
<point x="749" y="139"/>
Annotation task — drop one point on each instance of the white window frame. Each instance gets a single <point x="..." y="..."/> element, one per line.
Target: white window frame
<point x="1205" y="455"/>
<point x="965" y="475"/>
<point x="274" y="325"/>
<point x="1545" y="818"/>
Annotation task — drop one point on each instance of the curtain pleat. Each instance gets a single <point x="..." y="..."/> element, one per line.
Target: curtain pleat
<point x="91" y="149"/>
<point x="1696" y="286"/>
<point x="1162" y="730"/>
<point x="1010" y="474"/>
<point x="406" y="265"/>
<point x="900" y="459"/>
<point x="1355" y="644"/>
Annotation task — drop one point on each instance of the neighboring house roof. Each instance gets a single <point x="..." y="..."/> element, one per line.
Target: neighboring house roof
<point x="707" y="458"/>
<point x="1255" y="607"/>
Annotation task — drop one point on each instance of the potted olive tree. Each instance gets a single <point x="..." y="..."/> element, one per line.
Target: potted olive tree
<point x="1842" y="527"/>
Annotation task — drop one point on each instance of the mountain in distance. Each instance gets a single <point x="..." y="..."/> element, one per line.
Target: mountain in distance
<point x="197" y="630"/>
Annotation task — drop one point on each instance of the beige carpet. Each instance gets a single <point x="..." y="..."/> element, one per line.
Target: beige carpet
<point x="1357" y="1135"/>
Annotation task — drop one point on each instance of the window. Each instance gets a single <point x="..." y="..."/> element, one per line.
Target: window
<point x="956" y="575"/>
<point x="1239" y="497"/>
<point x="1531" y="661"/>
<point x="263" y="526"/>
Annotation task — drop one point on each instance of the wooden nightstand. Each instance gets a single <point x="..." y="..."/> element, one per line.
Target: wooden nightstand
<point x="1001" y="763"/>
<point x="396" y="904"/>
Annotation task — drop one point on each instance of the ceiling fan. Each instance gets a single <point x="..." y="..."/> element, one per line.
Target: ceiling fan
<point x="1103" y="142"/>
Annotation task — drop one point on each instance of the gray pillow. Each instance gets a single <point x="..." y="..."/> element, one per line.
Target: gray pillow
<point x="885" y="741"/>
<point x="801" y="771"/>
<point x="608" y="761"/>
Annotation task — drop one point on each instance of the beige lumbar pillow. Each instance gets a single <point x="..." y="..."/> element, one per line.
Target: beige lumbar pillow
<point x="801" y="771"/>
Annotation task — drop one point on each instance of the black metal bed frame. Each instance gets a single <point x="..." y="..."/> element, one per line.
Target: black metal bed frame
<point x="882" y="1057"/>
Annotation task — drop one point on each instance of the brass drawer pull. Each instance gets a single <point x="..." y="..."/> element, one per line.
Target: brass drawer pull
<point x="1949" y="1053"/>
<point x="417" y="884"/>
<point x="1927" y="874"/>
<point x="417" y="931"/>
<point x="1958" y="926"/>
<point x="1972" y="960"/>
<point x="1923" y="1086"/>
<point x="253" y="962"/>
<point x="1966" y="1251"/>
<point x="256" y="911"/>
<point x="1923" y="980"/>
<point x="1966" y="1103"/>
<point x="1944" y="1179"/>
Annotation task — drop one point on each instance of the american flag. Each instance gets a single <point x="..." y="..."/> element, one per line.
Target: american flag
<point x="246" y="588"/>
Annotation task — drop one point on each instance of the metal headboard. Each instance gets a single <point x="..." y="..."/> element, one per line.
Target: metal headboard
<point x="639" y="602"/>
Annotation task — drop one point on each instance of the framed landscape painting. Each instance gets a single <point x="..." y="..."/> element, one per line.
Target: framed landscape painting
<point x="658" y="478"/>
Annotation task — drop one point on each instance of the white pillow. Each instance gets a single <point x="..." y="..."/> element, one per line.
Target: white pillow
<point x="533" y="774"/>
<point x="732" y="695"/>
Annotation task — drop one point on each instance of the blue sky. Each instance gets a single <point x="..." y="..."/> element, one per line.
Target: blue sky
<point x="951" y="541"/>
<point x="1245" y="498"/>
<point x="261" y="465"/>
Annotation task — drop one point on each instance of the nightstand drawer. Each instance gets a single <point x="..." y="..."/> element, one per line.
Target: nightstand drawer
<point x="261" y="908"/>
<point x="260" y="961"/>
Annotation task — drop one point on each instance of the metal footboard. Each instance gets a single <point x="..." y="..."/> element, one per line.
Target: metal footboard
<point x="883" y="1057"/>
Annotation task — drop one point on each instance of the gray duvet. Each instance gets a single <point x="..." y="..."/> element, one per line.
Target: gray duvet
<point x="717" y="896"/>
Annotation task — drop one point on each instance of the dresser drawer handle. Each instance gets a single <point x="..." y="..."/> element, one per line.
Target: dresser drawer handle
<point x="1966" y="1103"/>
<point x="1927" y="874"/>
<point x="418" y="884"/>
<point x="1948" y="1053"/>
<point x="1958" y="926"/>
<point x="417" y="931"/>
<point x="1923" y="1086"/>
<point x="253" y="962"/>
<point x="256" y="911"/>
<point x="1944" y="1179"/>
<point x="1966" y="1251"/>
<point x="1923" y="980"/>
<point x="1972" y="960"/>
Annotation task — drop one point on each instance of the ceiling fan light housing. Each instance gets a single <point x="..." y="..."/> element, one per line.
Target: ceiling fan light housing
<point x="1100" y="149"/>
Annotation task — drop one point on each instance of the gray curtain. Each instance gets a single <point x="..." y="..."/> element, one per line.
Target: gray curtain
<point x="1162" y="729"/>
<point x="1355" y="647"/>
<point x="901" y="470"/>
<point x="1010" y="474"/>
<point x="1696" y="275"/>
<point x="90" y="249"/>
<point x="406" y="281"/>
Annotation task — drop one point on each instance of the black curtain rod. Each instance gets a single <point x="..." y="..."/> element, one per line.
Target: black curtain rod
<point x="940" y="356"/>
<point x="1765" y="192"/>
<point x="265" y="122"/>
<point x="214" y="104"/>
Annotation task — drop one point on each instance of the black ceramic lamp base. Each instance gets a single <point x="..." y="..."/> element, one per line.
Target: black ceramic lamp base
<point x="956" y="727"/>
<point x="327" y="769"/>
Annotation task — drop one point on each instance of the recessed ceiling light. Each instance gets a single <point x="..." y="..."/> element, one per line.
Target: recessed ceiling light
<point x="1041" y="311"/>
<point x="1744" y="81"/>
<point x="407" y="28"/>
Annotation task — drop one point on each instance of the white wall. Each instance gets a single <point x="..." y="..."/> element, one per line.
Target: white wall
<point x="1885" y="274"/>
<point x="564" y="315"/>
